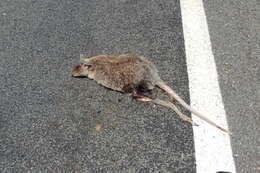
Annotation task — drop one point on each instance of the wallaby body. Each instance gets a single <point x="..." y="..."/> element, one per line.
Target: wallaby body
<point x="134" y="74"/>
<point x="118" y="72"/>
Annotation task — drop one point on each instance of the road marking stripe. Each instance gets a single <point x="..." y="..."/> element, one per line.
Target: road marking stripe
<point x="212" y="147"/>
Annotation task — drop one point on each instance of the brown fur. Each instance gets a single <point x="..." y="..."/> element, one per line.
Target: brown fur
<point x="78" y="69"/>
<point x="119" y="72"/>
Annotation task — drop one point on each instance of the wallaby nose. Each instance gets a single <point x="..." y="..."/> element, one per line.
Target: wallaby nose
<point x="73" y="74"/>
<point x="76" y="71"/>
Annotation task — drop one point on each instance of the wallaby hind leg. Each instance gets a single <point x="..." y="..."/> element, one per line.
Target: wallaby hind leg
<point x="165" y="104"/>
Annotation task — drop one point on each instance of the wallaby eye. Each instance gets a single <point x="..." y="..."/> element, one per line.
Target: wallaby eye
<point x="87" y="65"/>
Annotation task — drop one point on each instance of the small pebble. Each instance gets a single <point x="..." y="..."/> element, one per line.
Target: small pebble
<point x="98" y="127"/>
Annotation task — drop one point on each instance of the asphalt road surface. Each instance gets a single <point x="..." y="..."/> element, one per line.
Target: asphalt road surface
<point x="49" y="120"/>
<point x="235" y="36"/>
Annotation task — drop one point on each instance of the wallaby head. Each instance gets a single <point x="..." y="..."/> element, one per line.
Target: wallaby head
<point x="87" y="66"/>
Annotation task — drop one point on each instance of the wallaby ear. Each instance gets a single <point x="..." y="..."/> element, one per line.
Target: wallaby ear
<point x="82" y="58"/>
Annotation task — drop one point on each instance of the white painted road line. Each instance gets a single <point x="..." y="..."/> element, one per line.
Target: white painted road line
<point x="212" y="147"/>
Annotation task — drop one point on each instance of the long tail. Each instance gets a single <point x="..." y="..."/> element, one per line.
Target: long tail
<point x="174" y="95"/>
